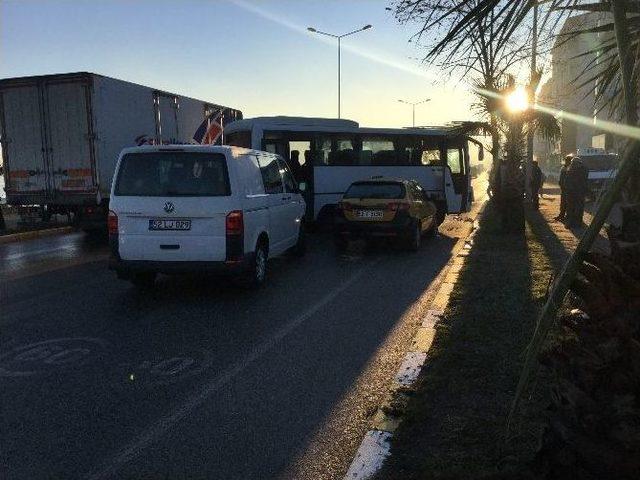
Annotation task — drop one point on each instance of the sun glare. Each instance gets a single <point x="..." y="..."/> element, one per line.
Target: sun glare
<point x="517" y="100"/>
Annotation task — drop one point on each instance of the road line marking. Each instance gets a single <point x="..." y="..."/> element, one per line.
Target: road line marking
<point x="431" y="318"/>
<point x="166" y="423"/>
<point x="372" y="453"/>
<point x="423" y="340"/>
<point x="410" y="368"/>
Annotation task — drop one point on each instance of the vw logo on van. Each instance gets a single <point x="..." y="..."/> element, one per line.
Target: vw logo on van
<point x="168" y="207"/>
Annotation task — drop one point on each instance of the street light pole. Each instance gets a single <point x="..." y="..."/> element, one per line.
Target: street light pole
<point x="339" y="83"/>
<point x="413" y="107"/>
<point x="339" y="38"/>
<point x="532" y="99"/>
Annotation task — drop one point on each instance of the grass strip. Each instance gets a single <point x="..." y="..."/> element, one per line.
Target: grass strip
<point x="454" y="425"/>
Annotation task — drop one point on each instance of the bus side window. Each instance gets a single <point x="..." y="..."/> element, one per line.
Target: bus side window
<point x="431" y="157"/>
<point x="321" y="148"/>
<point x="241" y="138"/>
<point x="454" y="160"/>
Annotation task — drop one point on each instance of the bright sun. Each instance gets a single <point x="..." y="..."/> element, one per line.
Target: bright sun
<point x="517" y="100"/>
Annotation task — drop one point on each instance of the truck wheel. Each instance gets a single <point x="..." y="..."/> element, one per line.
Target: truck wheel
<point x="46" y="214"/>
<point x="143" y="280"/>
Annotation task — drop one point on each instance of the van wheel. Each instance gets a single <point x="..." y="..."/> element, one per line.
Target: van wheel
<point x="340" y="242"/>
<point x="414" y="239"/>
<point x="300" y="248"/>
<point x="144" y="280"/>
<point x="257" y="273"/>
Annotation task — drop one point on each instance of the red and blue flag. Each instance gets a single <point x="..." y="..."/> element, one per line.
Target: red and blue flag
<point x="210" y="129"/>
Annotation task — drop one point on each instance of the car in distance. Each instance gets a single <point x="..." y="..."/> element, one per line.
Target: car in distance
<point x="384" y="207"/>
<point x="192" y="208"/>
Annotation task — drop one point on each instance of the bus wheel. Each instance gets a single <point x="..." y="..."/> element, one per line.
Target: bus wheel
<point x="300" y="248"/>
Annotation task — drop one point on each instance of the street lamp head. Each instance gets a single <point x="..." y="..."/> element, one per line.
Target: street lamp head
<point x="367" y="27"/>
<point x="311" y="29"/>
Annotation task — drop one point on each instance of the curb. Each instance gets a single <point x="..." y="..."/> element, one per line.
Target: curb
<point x="18" y="237"/>
<point x="376" y="444"/>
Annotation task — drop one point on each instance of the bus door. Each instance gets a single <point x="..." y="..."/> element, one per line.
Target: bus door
<point x="456" y="180"/>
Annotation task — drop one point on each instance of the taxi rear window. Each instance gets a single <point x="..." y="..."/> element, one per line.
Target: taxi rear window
<point x="378" y="190"/>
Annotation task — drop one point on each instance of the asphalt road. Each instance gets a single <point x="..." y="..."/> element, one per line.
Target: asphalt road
<point x="200" y="379"/>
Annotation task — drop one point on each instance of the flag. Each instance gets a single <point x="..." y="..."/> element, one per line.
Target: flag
<point x="210" y="129"/>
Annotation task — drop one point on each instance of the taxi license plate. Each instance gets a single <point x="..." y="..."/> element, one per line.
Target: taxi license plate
<point x="369" y="214"/>
<point x="173" y="224"/>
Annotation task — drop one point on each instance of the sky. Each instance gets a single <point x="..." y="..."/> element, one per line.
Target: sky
<point x="253" y="55"/>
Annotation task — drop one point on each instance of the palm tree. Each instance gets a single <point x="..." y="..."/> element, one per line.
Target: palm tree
<point x="515" y="121"/>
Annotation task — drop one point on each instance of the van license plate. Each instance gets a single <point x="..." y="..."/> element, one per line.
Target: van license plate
<point x="157" y="224"/>
<point x="370" y="213"/>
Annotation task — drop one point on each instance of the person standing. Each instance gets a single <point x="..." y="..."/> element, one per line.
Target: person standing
<point x="535" y="184"/>
<point x="578" y="187"/>
<point x="562" y="181"/>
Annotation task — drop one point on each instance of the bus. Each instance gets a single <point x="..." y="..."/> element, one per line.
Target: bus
<point x="327" y="155"/>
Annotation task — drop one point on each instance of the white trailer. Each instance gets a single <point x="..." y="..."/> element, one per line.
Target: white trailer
<point x="61" y="136"/>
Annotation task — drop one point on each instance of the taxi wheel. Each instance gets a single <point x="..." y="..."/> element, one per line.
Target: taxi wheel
<point x="415" y="238"/>
<point x="433" y="230"/>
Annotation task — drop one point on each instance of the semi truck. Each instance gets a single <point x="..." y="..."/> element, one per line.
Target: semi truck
<point x="60" y="137"/>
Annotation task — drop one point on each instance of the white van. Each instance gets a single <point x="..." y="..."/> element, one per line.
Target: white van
<point x="192" y="208"/>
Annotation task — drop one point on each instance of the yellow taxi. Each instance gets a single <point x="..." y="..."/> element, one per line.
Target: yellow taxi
<point x="385" y="207"/>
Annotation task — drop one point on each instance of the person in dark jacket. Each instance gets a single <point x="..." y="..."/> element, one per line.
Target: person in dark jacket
<point x="562" y="181"/>
<point x="535" y="184"/>
<point x="577" y="187"/>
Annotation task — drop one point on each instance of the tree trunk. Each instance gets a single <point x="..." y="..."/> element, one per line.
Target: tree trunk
<point x="495" y="153"/>
<point x="625" y="56"/>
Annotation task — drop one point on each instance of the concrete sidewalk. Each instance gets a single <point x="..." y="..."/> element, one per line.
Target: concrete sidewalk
<point x="569" y="237"/>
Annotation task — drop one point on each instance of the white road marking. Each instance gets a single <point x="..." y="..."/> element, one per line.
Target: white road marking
<point x="166" y="423"/>
<point x="431" y="318"/>
<point x="410" y="368"/>
<point x="372" y="453"/>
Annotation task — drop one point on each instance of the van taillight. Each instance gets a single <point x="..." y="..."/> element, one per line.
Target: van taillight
<point x="112" y="223"/>
<point x="235" y="223"/>
<point x="235" y="236"/>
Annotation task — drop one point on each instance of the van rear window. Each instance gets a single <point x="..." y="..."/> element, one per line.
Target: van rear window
<point x="173" y="174"/>
<point x="381" y="190"/>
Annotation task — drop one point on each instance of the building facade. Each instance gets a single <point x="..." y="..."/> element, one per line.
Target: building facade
<point x="568" y="89"/>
